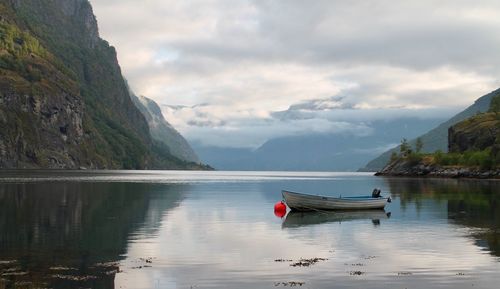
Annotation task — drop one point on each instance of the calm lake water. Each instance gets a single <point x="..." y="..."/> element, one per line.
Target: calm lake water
<point x="164" y="229"/>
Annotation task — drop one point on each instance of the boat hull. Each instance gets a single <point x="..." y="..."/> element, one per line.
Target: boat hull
<point x="305" y="202"/>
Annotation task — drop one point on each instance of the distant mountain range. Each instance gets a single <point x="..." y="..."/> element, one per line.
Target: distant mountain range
<point x="437" y="138"/>
<point x="317" y="152"/>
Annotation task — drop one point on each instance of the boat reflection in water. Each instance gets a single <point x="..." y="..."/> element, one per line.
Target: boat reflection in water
<point x="296" y="219"/>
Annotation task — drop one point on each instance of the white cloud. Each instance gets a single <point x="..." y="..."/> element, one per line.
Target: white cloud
<point x="218" y="126"/>
<point x="248" y="59"/>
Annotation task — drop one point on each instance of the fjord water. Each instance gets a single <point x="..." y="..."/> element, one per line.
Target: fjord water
<point x="172" y="229"/>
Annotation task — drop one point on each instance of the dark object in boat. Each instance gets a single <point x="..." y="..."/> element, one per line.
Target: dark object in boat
<point x="376" y="193"/>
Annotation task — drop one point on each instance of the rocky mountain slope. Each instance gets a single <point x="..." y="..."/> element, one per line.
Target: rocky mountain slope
<point x="437" y="138"/>
<point x="477" y="133"/>
<point x="162" y="131"/>
<point x="63" y="100"/>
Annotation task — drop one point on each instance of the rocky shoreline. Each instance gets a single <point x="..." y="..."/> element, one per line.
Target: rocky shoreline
<point x="404" y="169"/>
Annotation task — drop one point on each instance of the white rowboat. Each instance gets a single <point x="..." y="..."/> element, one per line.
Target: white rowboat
<point x="306" y="202"/>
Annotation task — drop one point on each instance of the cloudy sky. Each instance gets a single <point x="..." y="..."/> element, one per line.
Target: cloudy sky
<point x="236" y="73"/>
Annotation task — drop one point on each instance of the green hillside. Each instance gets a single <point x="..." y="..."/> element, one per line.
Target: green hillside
<point x="474" y="151"/>
<point x="436" y="139"/>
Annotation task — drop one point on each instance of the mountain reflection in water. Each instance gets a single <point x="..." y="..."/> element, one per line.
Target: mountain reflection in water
<point x="57" y="233"/>
<point x="163" y="229"/>
<point x="471" y="203"/>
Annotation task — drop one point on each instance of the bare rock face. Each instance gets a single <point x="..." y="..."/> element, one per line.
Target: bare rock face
<point x="70" y="7"/>
<point x="77" y="13"/>
<point x="50" y="128"/>
<point x="41" y="123"/>
<point x="82" y="11"/>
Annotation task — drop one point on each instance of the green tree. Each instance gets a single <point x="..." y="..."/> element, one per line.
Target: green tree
<point x="405" y="147"/>
<point x="419" y="145"/>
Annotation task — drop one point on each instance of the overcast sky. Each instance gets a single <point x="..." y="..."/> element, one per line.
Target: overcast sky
<point x="236" y="73"/>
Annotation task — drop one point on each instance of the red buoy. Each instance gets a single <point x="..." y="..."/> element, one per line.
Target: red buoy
<point x="280" y="209"/>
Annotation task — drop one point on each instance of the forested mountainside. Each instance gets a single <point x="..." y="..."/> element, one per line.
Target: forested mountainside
<point x="437" y="138"/>
<point x="63" y="100"/>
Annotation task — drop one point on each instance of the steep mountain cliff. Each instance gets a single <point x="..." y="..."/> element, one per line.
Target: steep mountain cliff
<point x="162" y="131"/>
<point x="437" y="139"/>
<point x="63" y="100"/>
